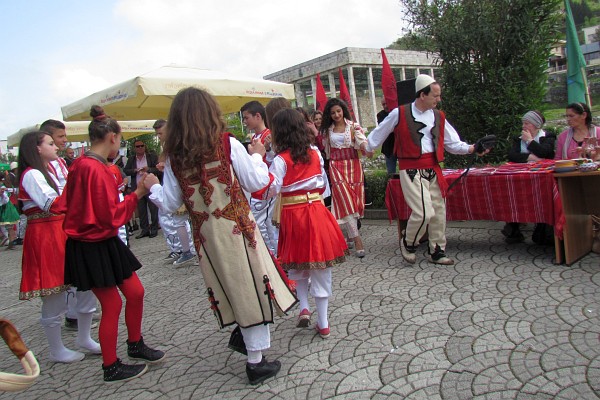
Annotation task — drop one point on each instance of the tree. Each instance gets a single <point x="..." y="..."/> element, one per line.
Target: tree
<point x="413" y="41"/>
<point x="493" y="55"/>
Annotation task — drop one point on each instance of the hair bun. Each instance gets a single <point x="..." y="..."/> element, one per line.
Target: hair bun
<point x="97" y="113"/>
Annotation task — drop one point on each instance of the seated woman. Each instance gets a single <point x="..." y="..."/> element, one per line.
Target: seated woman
<point x="579" y="118"/>
<point x="532" y="145"/>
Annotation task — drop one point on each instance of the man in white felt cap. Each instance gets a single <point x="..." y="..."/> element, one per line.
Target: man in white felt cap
<point x="421" y="135"/>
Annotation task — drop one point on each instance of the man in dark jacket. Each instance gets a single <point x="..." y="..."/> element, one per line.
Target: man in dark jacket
<point x="140" y="163"/>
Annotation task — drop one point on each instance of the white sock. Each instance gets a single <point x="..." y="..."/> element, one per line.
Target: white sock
<point x="302" y="293"/>
<point x="254" y="357"/>
<point x="322" y="304"/>
<point x="84" y="340"/>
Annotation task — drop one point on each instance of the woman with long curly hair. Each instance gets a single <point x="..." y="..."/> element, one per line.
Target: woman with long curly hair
<point x="206" y="169"/>
<point x="342" y="139"/>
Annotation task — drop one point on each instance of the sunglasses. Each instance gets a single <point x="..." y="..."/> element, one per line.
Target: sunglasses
<point x="140" y="145"/>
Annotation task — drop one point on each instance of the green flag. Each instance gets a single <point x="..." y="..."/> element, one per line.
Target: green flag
<point x="576" y="79"/>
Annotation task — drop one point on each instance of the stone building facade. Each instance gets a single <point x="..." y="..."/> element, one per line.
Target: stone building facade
<point x="361" y="68"/>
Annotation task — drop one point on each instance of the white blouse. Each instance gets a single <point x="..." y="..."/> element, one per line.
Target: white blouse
<point x="279" y="168"/>
<point x="41" y="193"/>
<point x="251" y="171"/>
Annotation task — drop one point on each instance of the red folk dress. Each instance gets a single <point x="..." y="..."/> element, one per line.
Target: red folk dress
<point x="43" y="262"/>
<point x="309" y="235"/>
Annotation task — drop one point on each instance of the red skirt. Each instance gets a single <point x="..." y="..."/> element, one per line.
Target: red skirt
<point x="43" y="263"/>
<point x="347" y="188"/>
<point x="309" y="237"/>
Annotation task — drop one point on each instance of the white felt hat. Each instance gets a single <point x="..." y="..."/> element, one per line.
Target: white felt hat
<point x="423" y="81"/>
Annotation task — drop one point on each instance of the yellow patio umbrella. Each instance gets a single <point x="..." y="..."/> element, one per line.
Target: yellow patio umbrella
<point x="149" y="96"/>
<point x="77" y="131"/>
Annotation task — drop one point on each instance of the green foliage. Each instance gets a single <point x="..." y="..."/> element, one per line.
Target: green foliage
<point x="375" y="184"/>
<point x="494" y="55"/>
<point x="234" y="126"/>
<point x="149" y="139"/>
<point x="413" y="41"/>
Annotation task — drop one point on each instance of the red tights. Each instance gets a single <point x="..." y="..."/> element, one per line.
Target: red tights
<point x="111" y="303"/>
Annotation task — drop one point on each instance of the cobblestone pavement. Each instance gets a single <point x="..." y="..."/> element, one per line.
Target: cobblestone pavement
<point x="504" y="322"/>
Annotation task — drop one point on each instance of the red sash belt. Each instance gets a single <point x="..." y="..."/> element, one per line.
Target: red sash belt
<point x="343" y="154"/>
<point x="426" y="161"/>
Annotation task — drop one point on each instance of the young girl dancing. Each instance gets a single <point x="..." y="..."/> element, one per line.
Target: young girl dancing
<point x="96" y="259"/>
<point x="310" y="240"/>
<point x="43" y="262"/>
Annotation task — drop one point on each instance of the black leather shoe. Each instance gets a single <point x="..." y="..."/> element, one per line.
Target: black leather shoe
<point x="153" y="234"/>
<point x="258" y="373"/>
<point x="142" y="234"/>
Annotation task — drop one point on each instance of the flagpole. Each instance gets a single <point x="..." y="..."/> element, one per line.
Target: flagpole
<point x="588" y="99"/>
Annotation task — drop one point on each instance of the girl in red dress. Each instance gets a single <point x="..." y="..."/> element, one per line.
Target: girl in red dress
<point x="43" y="264"/>
<point x="96" y="259"/>
<point x="310" y="240"/>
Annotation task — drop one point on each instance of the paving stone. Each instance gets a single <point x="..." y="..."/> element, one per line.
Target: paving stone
<point x="504" y="322"/>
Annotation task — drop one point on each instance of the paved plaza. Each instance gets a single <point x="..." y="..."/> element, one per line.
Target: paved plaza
<point x="504" y="322"/>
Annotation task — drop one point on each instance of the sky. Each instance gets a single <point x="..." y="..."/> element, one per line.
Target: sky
<point x="57" y="52"/>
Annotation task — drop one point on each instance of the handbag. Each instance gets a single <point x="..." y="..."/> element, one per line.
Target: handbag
<point x="236" y="341"/>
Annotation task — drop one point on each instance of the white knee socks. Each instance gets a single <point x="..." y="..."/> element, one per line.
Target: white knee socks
<point x="322" y="304"/>
<point x="302" y="293"/>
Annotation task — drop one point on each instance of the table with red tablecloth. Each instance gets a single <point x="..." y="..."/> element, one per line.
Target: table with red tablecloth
<point x="510" y="192"/>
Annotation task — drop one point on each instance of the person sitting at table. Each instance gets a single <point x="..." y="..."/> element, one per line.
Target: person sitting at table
<point x="532" y="145"/>
<point x="579" y="118"/>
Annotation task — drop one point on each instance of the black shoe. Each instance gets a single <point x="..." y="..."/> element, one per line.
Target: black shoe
<point x="119" y="372"/>
<point x="262" y="371"/>
<point x="135" y="227"/>
<point x="143" y="234"/>
<point x="71" y="324"/>
<point x="139" y="351"/>
<point x="439" y="257"/>
<point x="17" y="242"/>
<point x="153" y="234"/>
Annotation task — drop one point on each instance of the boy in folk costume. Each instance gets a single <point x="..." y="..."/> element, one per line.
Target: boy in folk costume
<point x="79" y="304"/>
<point x="175" y="226"/>
<point x="254" y="117"/>
<point x="207" y="169"/>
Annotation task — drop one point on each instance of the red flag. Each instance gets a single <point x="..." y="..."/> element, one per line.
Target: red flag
<point x="321" y="97"/>
<point x="388" y="84"/>
<point x="345" y="94"/>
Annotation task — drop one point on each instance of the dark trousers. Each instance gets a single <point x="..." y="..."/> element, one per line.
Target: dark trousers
<point x="143" y="205"/>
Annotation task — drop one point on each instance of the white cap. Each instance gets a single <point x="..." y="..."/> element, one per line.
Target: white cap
<point x="14" y="165"/>
<point x="423" y="81"/>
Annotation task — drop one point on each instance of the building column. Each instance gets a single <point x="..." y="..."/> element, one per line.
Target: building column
<point x="353" y="93"/>
<point x="299" y="95"/>
<point x="313" y="85"/>
<point x="332" y="91"/>
<point x="372" y="92"/>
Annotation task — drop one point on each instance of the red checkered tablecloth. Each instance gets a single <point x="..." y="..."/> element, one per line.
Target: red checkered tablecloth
<point x="510" y="192"/>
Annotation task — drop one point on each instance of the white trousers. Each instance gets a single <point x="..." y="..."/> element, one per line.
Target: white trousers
<point x="320" y="280"/>
<point x="257" y="337"/>
<point x="79" y="302"/>
<point x="422" y="194"/>
<point x="263" y="214"/>
<point x="170" y="223"/>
